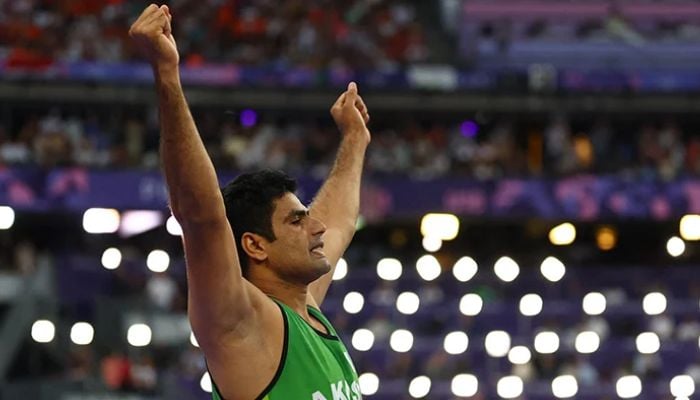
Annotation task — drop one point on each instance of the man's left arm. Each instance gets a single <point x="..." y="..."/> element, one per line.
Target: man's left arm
<point x="337" y="203"/>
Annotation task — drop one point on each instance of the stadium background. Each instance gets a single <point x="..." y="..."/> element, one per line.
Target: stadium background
<point x="560" y="140"/>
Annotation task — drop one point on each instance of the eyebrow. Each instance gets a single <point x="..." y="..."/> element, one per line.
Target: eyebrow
<point x="296" y="213"/>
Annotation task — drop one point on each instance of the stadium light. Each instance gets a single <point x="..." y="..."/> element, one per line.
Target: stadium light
<point x="563" y="234"/>
<point x="471" y="304"/>
<point x="682" y="386"/>
<point x="497" y="343"/>
<point x="456" y="342"/>
<point x="419" y="387"/>
<point x="139" y="335"/>
<point x="648" y="343"/>
<point x="675" y="246"/>
<point x="464" y="269"/>
<point x="519" y="355"/>
<point x="606" y="238"/>
<point x="205" y="382"/>
<point x="690" y="227"/>
<point x="193" y="340"/>
<point x="587" y="342"/>
<point x="407" y="303"/>
<point x="628" y="387"/>
<point x="431" y="244"/>
<point x="428" y="267"/>
<point x="389" y="269"/>
<point x="7" y="217"/>
<point x="465" y="385"/>
<point x="101" y="220"/>
<point x="506" y="269"/>
<point x="82" y="333"/>
<point x="654" y="303"/>
<point x="134" y="222"/>
<point x="443" y="226"/>
<point x="531" y="305"/>
<point x="369" y="383"/>
<point x="401" y="341"/>
<point x="158" y="261"/>
<point x="362" y="339"/>
<point x="594" y="303"/>
<point x="546" y="342"/>
<point x="509" y="387"/>
<point x="111" y="258"/>
<point x="341" y="270"/>
<point x="564" y="387"/>
<point x="353" y="302"/>
<point x="43" y="331"/>
<point x="173" y="227"/>
<point x="552" y="269"/>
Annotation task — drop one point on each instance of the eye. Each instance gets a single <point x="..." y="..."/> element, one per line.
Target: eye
<point x="296" y="221"/>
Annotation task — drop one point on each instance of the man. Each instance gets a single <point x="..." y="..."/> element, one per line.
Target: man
<point x="259" y="263"/>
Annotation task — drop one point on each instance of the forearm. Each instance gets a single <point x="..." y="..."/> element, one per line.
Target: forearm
<point x="192" y="184"/>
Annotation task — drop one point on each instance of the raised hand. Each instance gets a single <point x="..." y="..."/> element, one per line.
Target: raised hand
<point x="350" y="113"/>
<point x="152" y="33"/>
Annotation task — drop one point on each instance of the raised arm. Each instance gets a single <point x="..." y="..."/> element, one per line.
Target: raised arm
<point x="337" y="203"/>
<point x="218" y="296"/>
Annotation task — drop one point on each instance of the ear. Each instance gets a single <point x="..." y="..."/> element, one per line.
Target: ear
<point x="254" y="246"/>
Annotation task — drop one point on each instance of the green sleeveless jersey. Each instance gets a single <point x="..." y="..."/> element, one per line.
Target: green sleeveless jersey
<point x="314" y="365"/>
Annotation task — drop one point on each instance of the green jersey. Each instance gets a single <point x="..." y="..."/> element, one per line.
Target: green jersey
<point x="314" y="365"/>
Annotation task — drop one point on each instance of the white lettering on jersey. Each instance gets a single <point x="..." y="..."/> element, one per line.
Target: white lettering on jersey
<point x="356" y="391"/>
<point x="318" y="396"/>
<point x="337" y="390"/>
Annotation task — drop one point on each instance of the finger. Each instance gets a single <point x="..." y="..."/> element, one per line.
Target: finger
<point x="146" y="14"/>
<point x="365" y="116"/>
<point x="352" y="92"/>
<point x="340" y="101"/>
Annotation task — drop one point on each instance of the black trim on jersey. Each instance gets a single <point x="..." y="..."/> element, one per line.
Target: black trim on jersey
<point x="283" y="359"/>
<point x="328" y="335"/>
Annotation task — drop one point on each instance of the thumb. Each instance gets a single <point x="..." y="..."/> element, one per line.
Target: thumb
<point x="351" y="93"/>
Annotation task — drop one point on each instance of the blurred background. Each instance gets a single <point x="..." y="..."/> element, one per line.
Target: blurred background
<point x="529" y="209"/>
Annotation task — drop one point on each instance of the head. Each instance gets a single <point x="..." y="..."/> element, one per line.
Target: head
<point x="272" y="228"/>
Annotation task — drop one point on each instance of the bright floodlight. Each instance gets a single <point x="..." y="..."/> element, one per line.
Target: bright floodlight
<point x="362" y="339"/>
<point x="552" y="269"/>
<point x="471" y="304"/>
<point x="546" y="342"/>
<point x="134" y="222"/>
<point x="205" y="382"/>
<point x="519" y="355"/>
<point x="530" y="305"/>
<point x="369" y="383"/>
<point x="587" y="342"/>
<point x="648" y="343"/>
<point x="419" y="387"/>
<point x="594" y="303"/>
<point x="341" y="270"/>
<point x="139" y="335"/>
<point x="509" y="387"/>
<point x="428" y="267"/>
<point x="443" y="226"/>
<point x="353" y="302"/>
<point x="628" y="387"/>
<point x="43" y="331"/>
<point x="564" y="386"/>
<point x="431" y="244"/>
<point x="675" y="246"/>
<point x="101" y="220"/>
<point x="111" y="258"/>
<point x="193" y="340"/>
<point x="401" y="341"/>
<point x="563" y="234"/>
<point x="389" y="269"/>
<point x="690" y="227"/>
<point x="465" y="385"/>
<point x="82" y="333"/>
<point x="654" y="303"/>
<point x="7" y="217"/>
<point x="682" y="386"/>
<point x="407" y="303"/>
<point x="158" y="261"/>
<point x="465" y="268"/>
<point x="456" y="342"/>
<point x="497" y="343"/>
<point x="173" y="227"/>
<point x="506" y="269"/>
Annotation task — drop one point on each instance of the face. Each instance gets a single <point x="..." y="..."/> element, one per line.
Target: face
<point x="297" y="253"/>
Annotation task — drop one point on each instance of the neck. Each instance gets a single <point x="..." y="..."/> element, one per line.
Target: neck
<point x="291" y="294"/>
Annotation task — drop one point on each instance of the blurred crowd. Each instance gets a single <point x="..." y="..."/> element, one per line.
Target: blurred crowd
<point x="319" y="33"/>
<point x="484" y="147"/>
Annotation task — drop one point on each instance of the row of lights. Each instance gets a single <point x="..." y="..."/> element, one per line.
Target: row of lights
<point x="156" y="261"/>
<point x="127" y="223"/>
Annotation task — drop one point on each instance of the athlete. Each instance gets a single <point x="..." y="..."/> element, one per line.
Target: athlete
<point x="259" y="262"/>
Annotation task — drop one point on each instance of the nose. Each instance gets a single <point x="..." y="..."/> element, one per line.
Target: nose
<point x="316" y="226"/>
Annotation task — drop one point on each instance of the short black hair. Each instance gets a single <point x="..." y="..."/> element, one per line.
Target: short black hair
<point x="249" y="201"/>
